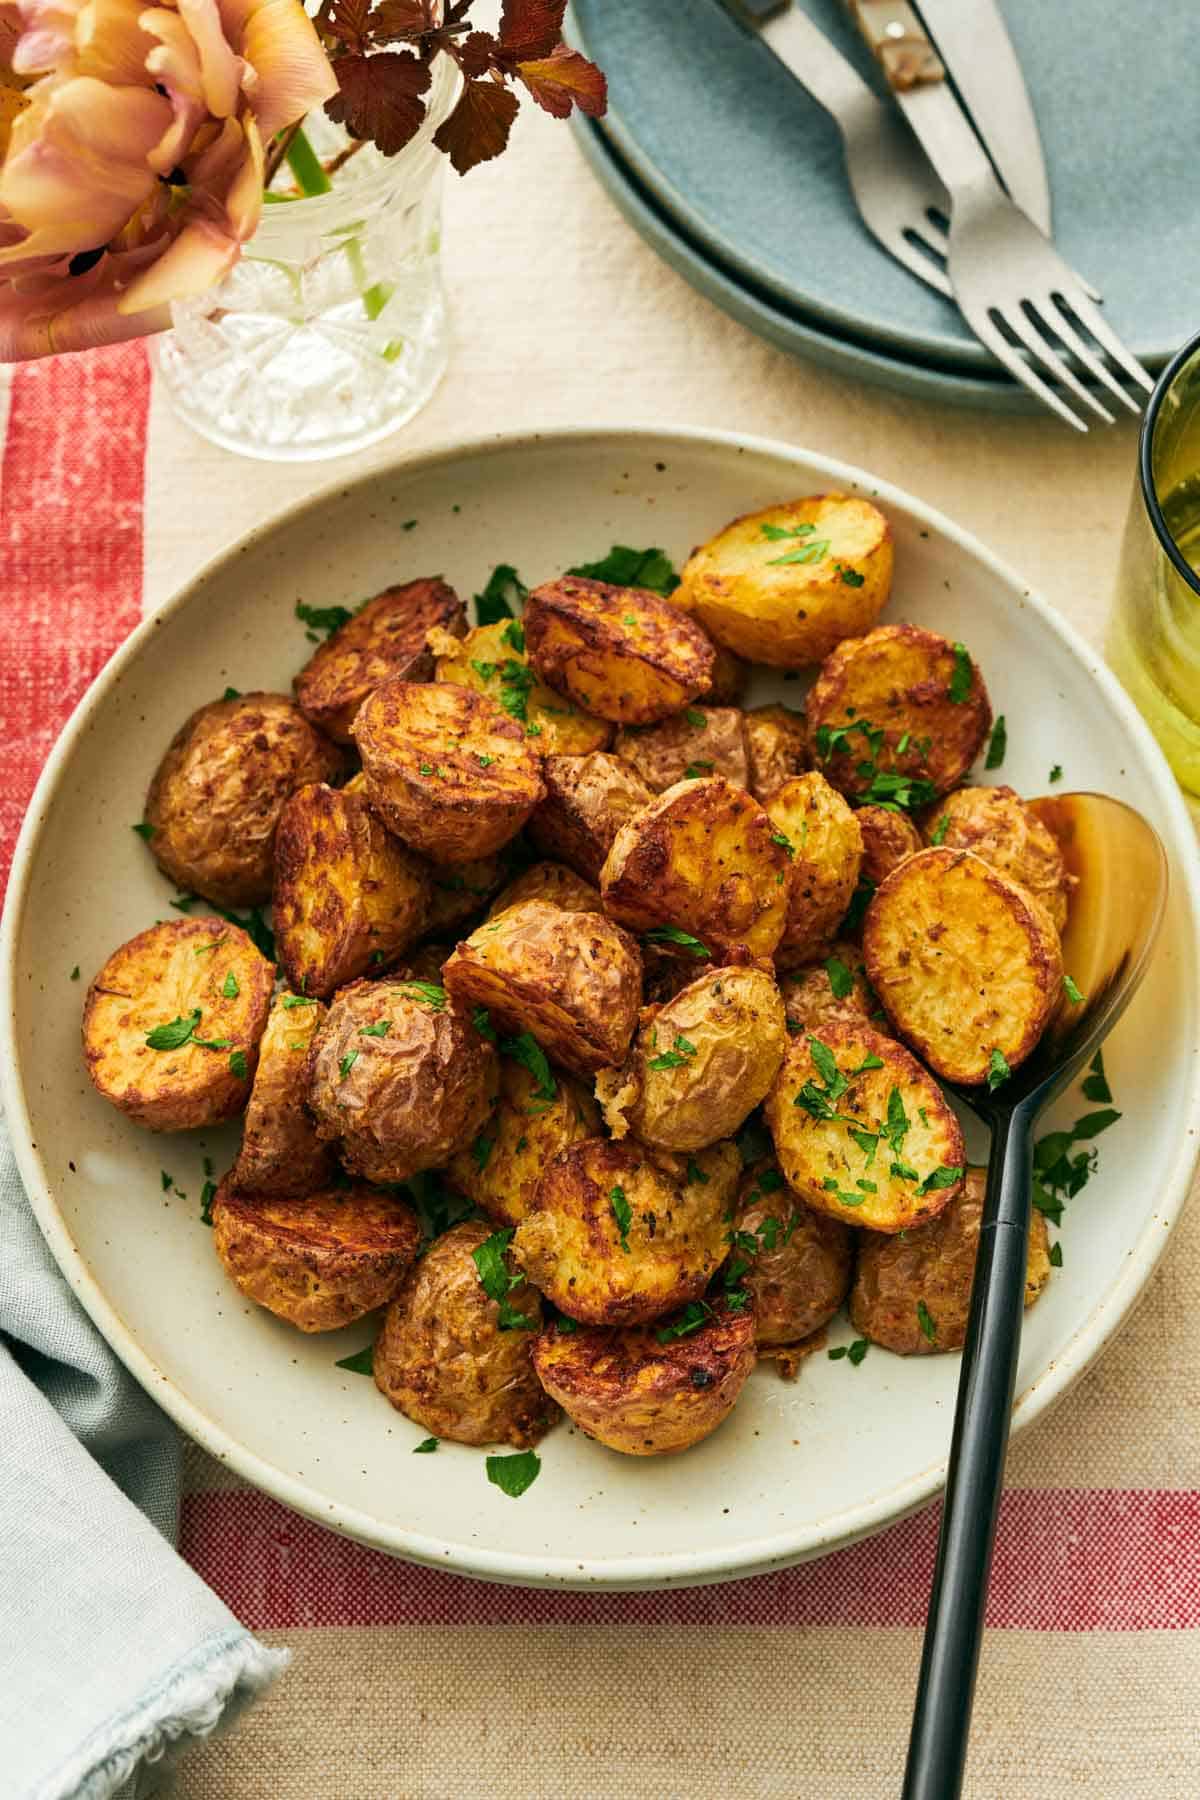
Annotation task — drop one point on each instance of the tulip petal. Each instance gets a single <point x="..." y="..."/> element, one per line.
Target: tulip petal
<point x="201" y="256"/>
<point x="221" y="70"/>
<point x="110" y="43"/>
<point x="289" y="73"/>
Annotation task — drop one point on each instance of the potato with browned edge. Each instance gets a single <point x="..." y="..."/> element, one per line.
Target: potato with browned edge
<point x="460" y="891"/>
<point x="281" y="1152"/>
<point x="444" y="1359"/>
<point x="384" y="638"/>
<point x="491" y="660"/>
<point x="552" y="882"/>
<point x="794" y="1263"/>
<point x="776" y="748"/>
<point x="932" y="1267"/>
<point x="647" y="1391"/>
<point x="587" y="800"/>
<point x="319" y="1260"/>
<point x="621" y="653"/>
<point x="699" y="741"/>
<point x="729" y="677"/>
<point x="825" y="844"/>
<point x="836" y="988"/>
<point x="573" y="979"/>
<point x="995" y="823"/>
<point x="967" y="963"/>
<point x="887" y="838"/>
<point x="171" y="1023"/>
<point x="216" y="796"/>
<point x="526" y="1129"/>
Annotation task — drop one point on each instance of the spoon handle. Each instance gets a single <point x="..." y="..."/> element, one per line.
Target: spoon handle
<point x="945" y="1691"/>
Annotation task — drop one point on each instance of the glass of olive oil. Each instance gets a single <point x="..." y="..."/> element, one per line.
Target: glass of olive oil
<point x="1154" y="634"/>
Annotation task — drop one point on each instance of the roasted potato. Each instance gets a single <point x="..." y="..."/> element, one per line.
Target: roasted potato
<point x="862" y="1132"/>
<point x="622" y="653"/>
<point x="552" y="882"/>
<point x="281" y="1152"/>
<point x="776" y="748"/>
<point x="171" y="1023"/>
<point x="588" y="799"/>
<point x="699" y="1065"/>
<point x="612" y="1239"/>
<point x="488" y="659"/>
<point x="729" y="677"/>
<point x="997" y="825"/>
<point x="887" y="838"/>
<point x="447" y="770"/>
<point x="399" y="1077"/>
<point x="572" y="979"/>
<point x="460" y="891"/>
<point x="349" y="898"/>
<point x="444" y="1360"/>
<point x="696" y="742"/>
<point x="967" y="963"/>
<point x="900" y="714"/>
<point x="385" y="638"/>
<point x="705" y="859"/>
<point x="784" y="585"/>
<point x="836" y="988"/>
<point x="826" y="855"/>
<point x="645" y="1391"/>
<point x="525" y="1131"/>
<point x="932" y="1266"/>
<point x="217" y="794"/>
<point x="795" y="1263"/>
<point x="320" y="1260"/>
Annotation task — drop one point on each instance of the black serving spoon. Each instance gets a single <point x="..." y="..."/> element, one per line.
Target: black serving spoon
<point x="1120" y="888"/>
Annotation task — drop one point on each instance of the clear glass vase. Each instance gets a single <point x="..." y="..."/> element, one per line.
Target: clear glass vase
<point x="331" y="330"/>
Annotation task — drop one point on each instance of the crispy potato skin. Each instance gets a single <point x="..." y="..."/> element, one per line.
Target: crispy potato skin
<point x="385" y="638"/>
<point x="588" y="799"/>
<point x="996" y="824"/>
<point x="702" y="857"/>
<point x="217" y="794"/>
<point x="776" y="748"/>
<point x="552" y="882"/>
<point x="319" y="1260"/>
<point x="573" y="979"/>
<point x="443" y="1361"/>
<point x="934" y="1263"/>
<point x="486" y="661"/>
<point x="696" y="742"/>
<point x="800" y="1273"/>
<point x="281" y="1153"/>
<point x="791" y="615"/>
<point x="622" y="653"/>
<point x="730" y="1025"/>
<point x="887" y="838"/>
<point x="349" y="898"/>
<point x="643" y="1398"/>
<point x="729" y="677"/>
<point x="459" y="892"/>
<point x="447" y="770"/>
<point x="813" y="1150"/>
<point x="166" y="973"/>
<point x="408" y="1100"/>
<point x="827" y="846"/>
<point x="501" y="1169"/>
<point x="811" y="1004"/>
<point x="897" y="680"/>
<point x="570" y="1247"/>
<point x="964" y="960"/>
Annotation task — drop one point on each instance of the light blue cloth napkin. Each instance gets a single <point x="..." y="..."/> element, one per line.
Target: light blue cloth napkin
<point x="113" y="1654"/>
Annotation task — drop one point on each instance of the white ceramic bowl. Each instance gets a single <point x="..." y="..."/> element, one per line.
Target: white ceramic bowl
<point x="799" y="1468"/>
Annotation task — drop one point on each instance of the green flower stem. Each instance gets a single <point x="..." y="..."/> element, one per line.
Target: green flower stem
<point x="305" y="165"/>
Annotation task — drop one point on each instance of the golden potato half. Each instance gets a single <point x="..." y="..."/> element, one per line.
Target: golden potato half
<point x="825" y="842"/>
<point x="834" y="989"/>
<point x="776" y="748"/>
<point x="319" y="1261"/>
<point x="447" y="770"/>
<point x="862" y="1131"/>
<point x="622" y="653"/>
<point x="349" y="897"/>
<point x="217" y="794"/>
<point x="795" y="1263"/>
<point x="525" y="1131"/>
<point x="644" y="1396"/>
<point x="705" y="859"/>
<point x="700" y="1064"/>
<point x="699" y="741"/>
<point x="912" y="1294"/>
<point x="461" y="891"/>
<point x="614" y="1240"/>
<point x="588" y="799"/>
<point x="995" y="823"/>
<point x="729" y="677"/>
<point x="784" y="585"/>
<point x="385" y="638"/>
<point x="171" y="1023"/>
<point x="887" y="838"/>
<point x="491" y="659"/>
<point x="552" y="882"/>
<point x="967" y="963"/>
<point x="281" y="1152"/>
<point x="572" y="979"/>
<point x="445" y="1360"/>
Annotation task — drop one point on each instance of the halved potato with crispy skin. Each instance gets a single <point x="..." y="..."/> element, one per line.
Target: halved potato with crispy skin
<point x="587" y="800"/>
<point x="614" y="1240"/>
<point x="447" y="770"/>
<point x="525" y="1131"/>
<point x="488" y="660"/>
<point x="171" y="1023"/>
<point x="784" y="585"/>
<point x="281" y="1152"/>
<point x="795" y="1263"/>
<point x="552" y="882"/>
<point x="700" y="1064"/>
<point x="776" y="748"/>
<point x="862" y="1132"/>
<point x="443" y="1359"/>
<point x="622" y="653"/>
<point x="349" y="897"/>
<point x="995" y="823"/>
<point x="933" y="1266"/>
<point x="460" y="891"/>
<point x="836" y="988"/>
<point x="699" y="741"/>
<point x="320" y="1260"/>
<point x="887" y="838"/>
<point x="966" y="962"/>
<point x="573" y="979"/>
<point x="826" y="847"/>
<point x="385" y="638"/>
<point x="703" y="858"/>
<point x="645" y="1397"/>
<point x="900" y="702"/>
<point x="729" y="677"/>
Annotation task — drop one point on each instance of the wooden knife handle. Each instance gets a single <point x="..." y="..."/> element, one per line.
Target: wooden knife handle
<point x="898" y="38"/>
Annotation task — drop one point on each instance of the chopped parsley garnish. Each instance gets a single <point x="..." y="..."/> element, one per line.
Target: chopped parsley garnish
<point x="693" y="1316"/>
<point x="998" y="1069"/>
<point x="361" y="1363"/>
<point x="1072" y="992"/>
<point x="624" y="567"/>
<point x="516" y="679"/>
<point x="851" y="577"/>
<point x="428" y="991"/>
<point x="895" y="792"/>
<point x="830" y="739"/>
<point x="175" y="1033"/>
<point x="671" y="934"/>
<point x="291" y="1000"/>
<point x="503" y="585"/>
<point x="843" y="1196"/>
<point x="1056" y="1256"/>
<point x="380" y="1029"/>
<point x="514" y="636"/>
<point x="821" y="1101"/>
<point x="944" y="1176"/>
<point x="997" y="744"/>
<point x="695" y="717"/>
<point x="323" y="618"/>
<point x="229" y="987"/>
<point x="237" y="1064"/>
<point x="860" y="899"/>
<point x="427" y="1446"/>
<point x="1095" y="1083"/>
<point x="925" y="1321"/>
<point x="481" y="1019"/>
<point x="496" y="1281"/>
<point x="622" y="1213"/>
<point x="696" y="771"/>
<point x="776" y="534"/>
<point x="841" y="981"/>
<point x="854" y="1352"/>
<point x="144" y="831"/>
<point x="514" y="1474"/>
<point x="485" y="762"/>
<point x="695" y="1173"/>
<point x="252" y="923"/>
<point x="425" y="769"/>
<point x="208" y="1194"/>
<point x="347" y="1063"/>
<point x="1056" y="773"/>
<point x="785" y="843"/>
<point x="960" y="681"/>
<point x="527" y="1051"/>
<point x="232" y="693"/>
<point x="481" y="1149"/>
<point x="1059" y="1170"/>
<point x="673" y="1059"/>
<point x="203" y="949"/>
<point x="168" y="1181"/>
<point x="938" y="834"/>
<point x="74" y="975"/>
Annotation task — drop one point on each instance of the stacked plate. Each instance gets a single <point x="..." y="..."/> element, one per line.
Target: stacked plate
<point x="734" y="175"/>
